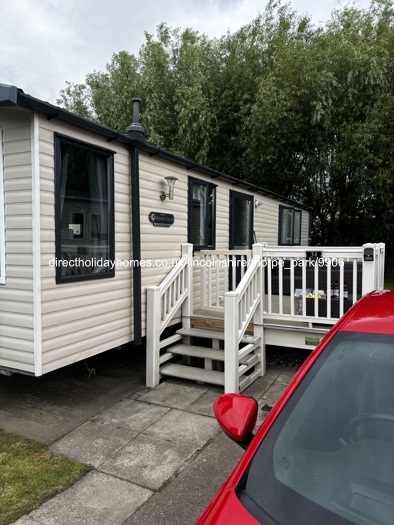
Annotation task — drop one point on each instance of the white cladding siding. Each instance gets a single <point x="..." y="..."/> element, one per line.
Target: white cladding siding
<point x="266" y="220"/>
<point x="16" y="295"/>
<point x="74" y="321"/>
<point x="84" y="318"/>
<point x="161" y="246"/>
<point x="158" y="244"/>
<point x="222" y="214"/>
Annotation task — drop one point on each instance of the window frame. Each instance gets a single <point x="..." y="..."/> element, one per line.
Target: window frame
<point x="209" y="186"/>
<point x="109" y="154"/>
<point x="295" y="239"/>
<point x="243" y="197"/>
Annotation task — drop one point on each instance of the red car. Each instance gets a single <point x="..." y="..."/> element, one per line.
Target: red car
<point x="325" y="453"/>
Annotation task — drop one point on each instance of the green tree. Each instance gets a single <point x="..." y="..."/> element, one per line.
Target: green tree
<point x="77" y="99"/>
<point x="308" y="135"/>
<point x="172" y="76"/>
<point x="178" y="112"/>
<point x="106" y="97"/>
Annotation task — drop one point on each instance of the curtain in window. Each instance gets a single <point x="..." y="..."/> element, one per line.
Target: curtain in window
<point x="199" y="214"/>
<point x="286" y="233"/>
<point x="98" y="186"/>
<point x="63" y="179"/>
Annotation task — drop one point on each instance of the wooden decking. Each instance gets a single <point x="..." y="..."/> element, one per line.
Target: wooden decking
<point x="238" y="315"/>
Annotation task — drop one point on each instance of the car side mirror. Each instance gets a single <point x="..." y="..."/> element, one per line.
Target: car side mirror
<point x="237" y="415"/>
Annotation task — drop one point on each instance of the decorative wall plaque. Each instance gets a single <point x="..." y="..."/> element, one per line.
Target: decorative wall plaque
<point x="162" y="220"/>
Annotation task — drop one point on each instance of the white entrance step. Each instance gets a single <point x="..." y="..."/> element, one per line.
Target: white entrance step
<point x="212" y="334"/>
<point x="198" y="351"/>
<point x="193" y="373"/>
<point x="202" y="332"/>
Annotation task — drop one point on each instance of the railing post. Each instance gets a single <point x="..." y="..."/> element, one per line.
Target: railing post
<point x="263" y="264"/>
<point x="187" y="306"/>
<point x="369" y="268"/>
<point x="153" y="337"/>
<point x="231" y="343"/>
<point x="381" y="261"/>
<point x="258" y="326"/>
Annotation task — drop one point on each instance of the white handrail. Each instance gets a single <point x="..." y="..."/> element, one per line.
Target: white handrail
<point x="163" y="302"/>
<point x="240" y="307"/>
<point x="173" y="291"/>
<point x="247" y="296"/>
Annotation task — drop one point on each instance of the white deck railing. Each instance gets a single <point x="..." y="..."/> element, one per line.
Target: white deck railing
<point x="319" y="284"/>
<point x="163" y="304"/>
<point x="220" y="271"/>
<point x="267" y="288"/>
<point x="304" y="284"/>
<point x="242" y="307"/>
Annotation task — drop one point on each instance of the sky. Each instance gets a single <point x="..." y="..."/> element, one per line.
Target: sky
<point x="44" y="43"/>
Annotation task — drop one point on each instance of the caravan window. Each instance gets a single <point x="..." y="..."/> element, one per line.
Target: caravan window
<point x="84" y="211"/>
<point x="289" y="226"/>
<point x="202" y="214"/>
<point x="241" y="221"/>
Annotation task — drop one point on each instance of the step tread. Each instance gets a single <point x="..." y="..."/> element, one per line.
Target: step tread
<point x="193" y="373"/>
<point x="215" y="314"/>
<point x="198" y="351"/>
<point x="212" y="334"/>
<point x="202" y="332"/>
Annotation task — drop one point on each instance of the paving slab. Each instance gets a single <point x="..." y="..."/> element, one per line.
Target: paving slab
<point x="183" y="500"/>
<point x="97" y="439"/>
<point x="132" y="415"/>
<point x="184" y="427"/>
<point x="286" y="375"/>
<point x="204" y="404"/>
<point x="148" y="461"/>
<point x="91" y="443"/>
<point x="271" y="395"/>
<point x="94" y="500"/>
<point x="174" y="394"/>
<point x="262" y="384"/>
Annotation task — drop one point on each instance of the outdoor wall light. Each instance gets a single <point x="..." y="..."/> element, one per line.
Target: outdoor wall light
<point x="171" y="184"/>
<point x="257" y="203"/>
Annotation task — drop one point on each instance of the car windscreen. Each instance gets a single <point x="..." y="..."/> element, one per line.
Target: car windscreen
<point x="328" y="459"/>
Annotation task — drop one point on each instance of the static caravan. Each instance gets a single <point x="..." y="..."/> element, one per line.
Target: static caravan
<point x="92" y="218"/>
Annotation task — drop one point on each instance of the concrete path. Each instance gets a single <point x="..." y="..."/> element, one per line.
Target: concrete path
<point x="158" y="454"/>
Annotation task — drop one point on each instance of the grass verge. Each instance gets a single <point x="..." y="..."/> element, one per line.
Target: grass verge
<point x="30" y="474"/>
